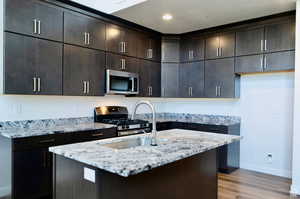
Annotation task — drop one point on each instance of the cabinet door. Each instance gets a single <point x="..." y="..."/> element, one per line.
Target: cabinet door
<point x="145" y="81"/>
<point x="212" y="47"/>
<point x="155" y="46"/>
<point x="20" y="17"/>
<point x="280" y="61"/>
<point x="170" y="50"/>
<point x="96" y="72"/>
<point x="20" y="64"/>
<point x="114" y="38"/>
<point x="196" y="80"/>
<point x="249" y="41"/>
<point x="155" y="79"/>
<point x="184" y="75"/>
<point x="198" y="46"/>
<point x="142" y="45"/>
<point x="220" y="78"/>
<point x="170" y="79"/>
<point x="32" y="174"/>
<point x="75" y="27"/>
<point x="184" y="49"/>
<point x="49" y="70"/>
<point x="121" y="63"/>
<point x="227" y="45"/>
<point x="280" y="36"/>
<point x="129" y="38"/>
<point x="96" y="30"/>
<point x="249" y="64"/>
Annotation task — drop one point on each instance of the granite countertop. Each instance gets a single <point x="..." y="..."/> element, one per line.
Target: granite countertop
<point x="192" y="118"/>
<point x="176" y="145"/>
<point x="22" y="132"/>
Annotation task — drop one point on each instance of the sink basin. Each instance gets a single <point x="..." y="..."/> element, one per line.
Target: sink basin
<point x="130" y="143"/>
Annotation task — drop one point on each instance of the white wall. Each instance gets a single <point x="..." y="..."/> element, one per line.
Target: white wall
<point x="295" y="188"/>
<point x="266" y="108"/>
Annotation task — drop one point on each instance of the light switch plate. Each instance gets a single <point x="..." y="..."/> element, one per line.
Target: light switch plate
<point x="89" y="175"/>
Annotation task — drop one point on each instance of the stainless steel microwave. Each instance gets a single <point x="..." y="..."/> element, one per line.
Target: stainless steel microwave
<point x="120" y="82"/>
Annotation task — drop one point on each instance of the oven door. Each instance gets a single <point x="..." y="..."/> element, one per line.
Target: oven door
<point x="119" y="82"/>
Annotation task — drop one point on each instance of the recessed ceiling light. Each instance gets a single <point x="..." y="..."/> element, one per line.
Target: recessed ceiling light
<point x="167" y="17"/>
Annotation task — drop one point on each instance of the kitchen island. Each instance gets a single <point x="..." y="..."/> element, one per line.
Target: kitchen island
<point x="183" y="165"/>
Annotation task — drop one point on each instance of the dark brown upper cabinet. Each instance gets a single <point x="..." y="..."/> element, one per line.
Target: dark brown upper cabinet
<point x="83" y="71"/>
<point x="148" y="47"/>
<point x="122" y="63"/>
<point x="150" y="78"/>
<point x="28" y="67"/>
<point x="191" y="49"/>
<point x="220" y="46"/>
<point x="170" y="79"/>
<point x="34" y="18"/>
<point x="191" y="78"/>
<point x="279" y="61"/>
<point x="250" y="41"/>
<point x="121" y="40"/>
<point x="249" y="64"/>
<point x="220" y="79"/>
<point x="85" y="31"/>
<point x="170" y="50"/>
<point x="280" y="36"/>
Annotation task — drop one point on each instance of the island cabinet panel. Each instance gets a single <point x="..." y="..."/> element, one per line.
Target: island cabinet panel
<point x="121" y="40"/>
<point x="221" y="81"/>
<point x="170" y="79"/>
<point x="250" y="41"/>
<point x="220" y="46"/>
<point x="122" y="63"/>
<point x="84" y="31"/>
<point x="191" y="78"/>
<point x="191" y="49"/>
<point x="32" y="71"/>
<point x="193" y="177"/>
<point x="34" y="18"/>
<point x="83" y="71"/>
<point x="150" y="79"/>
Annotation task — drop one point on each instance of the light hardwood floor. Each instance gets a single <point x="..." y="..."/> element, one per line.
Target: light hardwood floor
<point x="243" y="184"/>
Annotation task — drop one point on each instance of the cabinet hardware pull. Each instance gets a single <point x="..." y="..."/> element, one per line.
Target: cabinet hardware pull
<point x="121" y="47"/>
<point x="125" y="47"/>
<point x="34" y="84"/>
<point x="123" y="63"/>
<point x="89" y="39"/>
<point x="262" y="45"/>
<point x="262" y="63"/>
<point x="47" y="141"/>
<point x="39" y="27"/>
<point x="219" y="91"/>
<point x="39" y="85"/>
<point x="85" y="38"/>
<point x="97" y="135"/>
<point x="216" y="91"/>
<point x="266" y="42"/>
<point x="265" y="62"/>
<point x="218" y="52"/>
<point x="35" y="26"/>
<point x="191" y="91"/>
<point x="88" y="87"/>
<point x="151" y="91"/>
<point x="84" y="87"/>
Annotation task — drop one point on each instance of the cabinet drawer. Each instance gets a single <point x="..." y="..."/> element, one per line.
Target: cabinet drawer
<point x="94" y="135"/>
<point x="29" y="143"/>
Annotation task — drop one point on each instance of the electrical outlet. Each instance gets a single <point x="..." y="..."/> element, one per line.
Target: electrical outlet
<point x="270" y="158"/>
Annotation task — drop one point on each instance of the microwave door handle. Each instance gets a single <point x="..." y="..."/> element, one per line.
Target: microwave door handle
<point x="133" y="85"/>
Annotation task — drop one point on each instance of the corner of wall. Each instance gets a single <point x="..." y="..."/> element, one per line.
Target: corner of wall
<point x="1" y="46"/>
<point x="295" y="189"/>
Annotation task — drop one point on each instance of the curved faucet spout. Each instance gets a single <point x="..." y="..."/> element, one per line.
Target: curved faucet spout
<point x="154" y="132"/>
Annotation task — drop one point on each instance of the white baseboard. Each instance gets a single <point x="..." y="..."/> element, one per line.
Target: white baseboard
<point x="295" y="189"/>
<point x="266" y="170"/>
<point x="4" y="191"/>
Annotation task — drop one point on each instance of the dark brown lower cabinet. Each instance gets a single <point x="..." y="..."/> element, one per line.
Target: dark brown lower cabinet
<point x="191" y="80"/>
<point x="271" y="62"/>
<point x="32" y="66"/>
<point x="150" y="78"/>
<point x="84" y="71"/>
<point x="220" y="79"/>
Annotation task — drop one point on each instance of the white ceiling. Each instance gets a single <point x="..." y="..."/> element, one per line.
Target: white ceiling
<point x="108" y="6"/>
<point x="190" y="15"/>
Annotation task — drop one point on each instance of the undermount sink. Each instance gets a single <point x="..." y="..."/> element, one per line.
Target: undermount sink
<point x="131" y="143"/>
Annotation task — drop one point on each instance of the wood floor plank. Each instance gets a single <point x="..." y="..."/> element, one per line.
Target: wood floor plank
<point x="244" y="184"/>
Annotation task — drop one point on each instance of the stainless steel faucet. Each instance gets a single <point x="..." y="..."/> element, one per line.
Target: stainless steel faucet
<point x="154" y="132"/>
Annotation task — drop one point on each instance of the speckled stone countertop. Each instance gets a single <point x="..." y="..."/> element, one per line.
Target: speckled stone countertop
<point x="175" y="145"/>
<point x="193" y="118"/>
<point x="31" y="128"/>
